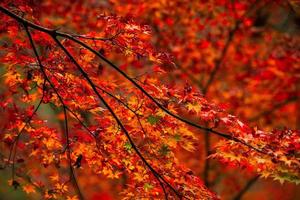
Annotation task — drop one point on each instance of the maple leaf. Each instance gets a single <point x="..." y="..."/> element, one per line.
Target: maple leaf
<point x="54" y="178"/>
<point x="153" y="119"/>
<point x="194" y="107"/>
<point x="132" y="130"/>
<point x="72" y="198"/>
<point x="189" y="146"/>
<point x="148" y="186"/>
<point x="61" y="187"/>
<point x="139" y="177"/>
<point x="28" y="188"/>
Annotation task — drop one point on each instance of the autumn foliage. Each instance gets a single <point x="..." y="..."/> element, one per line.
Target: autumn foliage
<point x="125" y="99"/>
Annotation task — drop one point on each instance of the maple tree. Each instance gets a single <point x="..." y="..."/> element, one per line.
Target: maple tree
<point x="131" y="86"/>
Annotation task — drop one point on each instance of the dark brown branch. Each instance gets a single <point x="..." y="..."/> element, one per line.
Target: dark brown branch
<point x="55" y="33"/>
<point x="231" y="34"/>
<point x="220" y="60"/>
<point x="27" y="178"/>
<point x="14" y="145"/>
<point x="217" y="66"/>
<point x="207" y="161"/>
<point x="72" y="173"/>
<point x="81" y="122"/>
<point x="226" y="136"/>
<point x="273" y="109"/>
<point x="86" y="76"/>
<point x="127" y="106"/>
<point x="205" y="90"/>
<point x="182" y="69"/>
<point x="97" y="38"/>
<point x="85" y="127"/>
<point x="116" y="98"/>
<point x="246" y="188"/>
<point x="73" y="177"/>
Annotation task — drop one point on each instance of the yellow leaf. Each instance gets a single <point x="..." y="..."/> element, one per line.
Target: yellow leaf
<point x="29" y="189"/>
<point x="88" y="57"/>
<point x="72" y="198"/>
<point x="194" y="107"/>
<point x="279" y="178"/>
<point x="61" y="187"/>
<point x="8" y="136"/>
<point x="265" y="174"/>
<point x="54" y="177"/>
<point x="33" y="153"/>
<point x="188" y="146"/>
<point x="138" y="177"/>
<point x="97" y="110"/>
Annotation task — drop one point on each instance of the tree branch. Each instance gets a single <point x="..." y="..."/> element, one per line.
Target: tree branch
<point x="207" y="160"/>
<point x="72" y="174"/>
<point x="274" y="108"/>
<point x="54" y="33"/>
<point x="226" y="136"/>
<point x="14" y="145"/>
<point x="217" y="66"/>
<point x="246" y="188"/>
<point x="231" y="34"/>
<point x="86" y="76"/>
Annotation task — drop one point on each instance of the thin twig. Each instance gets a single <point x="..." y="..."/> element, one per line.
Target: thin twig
<point x="86" y="76"/>
<point x="207" y="160"/>
<point x="14" y="145"/>
<point x="226" y="136"/>
<point x="230" y="37"/>
<point x="55" y="33"/>
<point x="64" y="107"/>
<point x="96" y="38"/>
<point x="246" y="188"/>
<point x="72" y="173"/>
<point x="216" y="68"/>
<point x="273" y="109"/>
